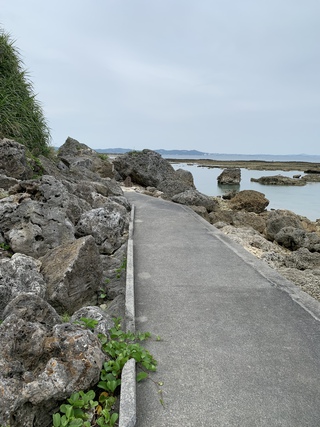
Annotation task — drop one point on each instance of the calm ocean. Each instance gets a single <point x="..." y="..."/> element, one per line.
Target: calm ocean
<point x="301" y="200"/>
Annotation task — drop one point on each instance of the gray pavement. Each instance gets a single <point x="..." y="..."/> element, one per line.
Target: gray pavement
<point x="240" y="344"/>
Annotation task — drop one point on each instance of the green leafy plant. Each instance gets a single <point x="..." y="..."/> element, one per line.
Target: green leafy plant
<point x="65" y="317"/>
<point x="120" y="346"/>
<point x="123" y="346"/>
<point x="103" y="156"/>
<point x="87" y="322"/>
<point x="5" y="247"/>
<point x="122" y="268"/>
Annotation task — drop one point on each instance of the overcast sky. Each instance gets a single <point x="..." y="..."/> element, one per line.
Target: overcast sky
<point x="220" y="76"/>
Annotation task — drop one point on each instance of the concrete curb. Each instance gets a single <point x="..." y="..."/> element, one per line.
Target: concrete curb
<point x="127" y="416"/>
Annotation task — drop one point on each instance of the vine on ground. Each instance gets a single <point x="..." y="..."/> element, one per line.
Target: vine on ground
<point x="82" y="410"/>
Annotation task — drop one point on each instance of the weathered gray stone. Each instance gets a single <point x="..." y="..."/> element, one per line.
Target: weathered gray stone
<point x="32" y="308"/>
<point x="19" y="274"/>
<point x="6" y="182"/>
<point x="186" y="176"/>
<point x="13" y="160"/>
<point x="105" y="321"/>
<point x="79" y="157"/>
<point x="107" y="225"/>
<point x="279" y="219"/>
<point x="303" y="259"/>
<point x="195" y="198"/>
<point x="73" y="275"/>
<point x="290" y="237"/>
<point x="149" y="169"/>
<point x="41" y="365"/>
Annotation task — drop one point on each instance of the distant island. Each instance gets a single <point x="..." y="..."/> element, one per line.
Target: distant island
<point x="160" y="151"/>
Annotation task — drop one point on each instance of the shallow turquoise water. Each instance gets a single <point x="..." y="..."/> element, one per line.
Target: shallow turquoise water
<point x="301" y="200"/>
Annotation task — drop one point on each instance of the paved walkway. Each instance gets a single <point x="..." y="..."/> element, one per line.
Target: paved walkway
<point x="237" y="348"/>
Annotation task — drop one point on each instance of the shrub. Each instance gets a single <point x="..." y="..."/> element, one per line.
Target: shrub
<point x="21" y="116"/>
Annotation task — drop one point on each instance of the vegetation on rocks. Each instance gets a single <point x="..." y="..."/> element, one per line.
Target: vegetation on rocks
<point x="21" y="115"/>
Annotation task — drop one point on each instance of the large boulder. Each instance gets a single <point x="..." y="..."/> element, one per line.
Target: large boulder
<point x="195" y="198"/>
<point x="79" y="157"/>
<point x="13" y="160"/>
<point x="149" y="169"/>
<point x="230" y="176"/>
<point x="73" y="274"/>
<point x="249" y="200"/>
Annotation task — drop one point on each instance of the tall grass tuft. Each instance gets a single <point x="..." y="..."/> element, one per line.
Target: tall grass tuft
<point x="21" y="116"/>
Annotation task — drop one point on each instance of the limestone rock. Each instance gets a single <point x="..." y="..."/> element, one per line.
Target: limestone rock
<point x="19" y="274"/>
<point x="303" y="259"/>
<point x="32" y="308"/>
<point x="40" y="366"/>
<point x="6" y="182"/>
<point x="107" y="225"/>
<point x="79" y="157"/>
<point x="186" y="176"/>
<point x="290" y="237"/>
<point x="249" y="200"/>
<point x="230" y="176"/>
<point x="105" y="321"/>
<point x="171" y="186"/>
<point x="279" y="219"/>
<point x="32" y="227"/>
<point x="13" y="160"/>
<point x="195" y="198"/>
<point x="149" y="169"/>
<point x="73" y="275"/>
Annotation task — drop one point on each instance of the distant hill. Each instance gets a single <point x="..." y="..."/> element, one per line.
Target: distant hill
<point x="160" y="151"/>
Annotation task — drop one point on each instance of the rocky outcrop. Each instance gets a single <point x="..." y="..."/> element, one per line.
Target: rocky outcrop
<point x="278" y="180"/>
<point x="57" y="233"/>
<point x="250" y="201"/>
<point x="80" y="158"/>
<point x="230" y="176"/>
<point x="148" y="169"/>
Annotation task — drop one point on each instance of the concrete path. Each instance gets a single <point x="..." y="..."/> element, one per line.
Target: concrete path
<point x="240" y="344"/>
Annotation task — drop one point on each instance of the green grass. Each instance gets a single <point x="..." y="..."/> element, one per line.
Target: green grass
<point x="21" y="116"/>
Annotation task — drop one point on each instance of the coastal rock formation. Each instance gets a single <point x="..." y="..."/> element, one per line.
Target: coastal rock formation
<point x="148" y="169"/>
<point x="278" y="180"/>
<point x="60" y="234"/>
<point x="230" y="176"/>
<point x="80" y="158"/>
<point x="249" y="200"/>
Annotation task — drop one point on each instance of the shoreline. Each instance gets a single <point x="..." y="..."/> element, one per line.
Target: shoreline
<point x="306" y="167"/>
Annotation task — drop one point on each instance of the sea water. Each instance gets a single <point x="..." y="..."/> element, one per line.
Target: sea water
<point x="302" y="200"/>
